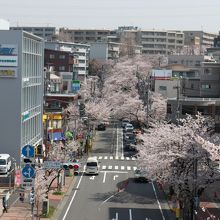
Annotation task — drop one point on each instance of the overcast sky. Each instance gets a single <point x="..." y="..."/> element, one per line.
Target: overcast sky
<point x="109" y="14"/>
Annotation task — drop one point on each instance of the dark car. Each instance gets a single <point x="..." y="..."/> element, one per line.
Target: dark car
<point x="140" y="176"/>
<point x="129" y="138"/>
<point x="101" y="127"/>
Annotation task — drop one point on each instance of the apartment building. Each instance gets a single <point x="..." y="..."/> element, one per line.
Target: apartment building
<point x="161" y="42"/>
<point x="80" y="52"/>
<point x="21" y="91"/>
<point x="83" y="36"/>
<point x="201" y="38"/>
<point x="45" y="32"/>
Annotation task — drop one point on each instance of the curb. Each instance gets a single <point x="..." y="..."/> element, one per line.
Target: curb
<point x="63" y="202"/>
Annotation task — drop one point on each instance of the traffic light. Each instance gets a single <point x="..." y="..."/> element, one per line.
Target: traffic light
<point x="32" y="197"/>
<point x="70" y="166"/>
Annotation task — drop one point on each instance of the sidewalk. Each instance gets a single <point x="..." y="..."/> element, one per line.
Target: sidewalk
<point x="22" y="211"/>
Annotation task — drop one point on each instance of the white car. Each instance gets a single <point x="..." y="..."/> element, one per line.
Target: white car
<point x="92" y="166"/>
<point x="124" y="122"/>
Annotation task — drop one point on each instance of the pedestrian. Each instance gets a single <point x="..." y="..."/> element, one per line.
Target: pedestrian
<point x="5" y="205"/>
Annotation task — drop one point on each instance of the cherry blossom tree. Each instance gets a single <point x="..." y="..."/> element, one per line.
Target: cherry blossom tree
<point x="181" y="156"/>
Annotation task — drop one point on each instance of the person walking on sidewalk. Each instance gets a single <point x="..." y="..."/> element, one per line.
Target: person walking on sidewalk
<point x="5" y="205"/>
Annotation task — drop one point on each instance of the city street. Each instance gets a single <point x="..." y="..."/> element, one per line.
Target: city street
<point x="113" y="194"/>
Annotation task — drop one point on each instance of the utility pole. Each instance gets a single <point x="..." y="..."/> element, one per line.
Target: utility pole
<point x="195" y="196"/>
<point x="177" y="87"/>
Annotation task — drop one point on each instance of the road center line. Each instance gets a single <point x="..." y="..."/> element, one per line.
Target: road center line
<point x="130" y="214"/>
<point x="155" y="193"/>
<point x="104" y="177"/>
<point x="74" y="194"/>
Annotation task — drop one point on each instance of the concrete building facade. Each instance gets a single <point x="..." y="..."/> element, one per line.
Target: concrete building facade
<point x="21" y="91"/>
<point x="206" y="39"/>
<point x="45" y="32"/>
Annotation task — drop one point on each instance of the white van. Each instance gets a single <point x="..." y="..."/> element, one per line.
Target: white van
<point x="92" y="166"/>
<point x="5" y="163"/>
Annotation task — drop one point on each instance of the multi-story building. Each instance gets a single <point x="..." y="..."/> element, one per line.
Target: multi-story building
<point x="80" y="53"/>
<point x="203" y="38"/>
<point x="84" y="36"/>
<point x="21" y="91"/>
<point x="201" y="94"/>
<point x="217" y="41"/>
<point x="161" y="42"/>
<point x="151" y="41"/>
<point x="45" y="32"/>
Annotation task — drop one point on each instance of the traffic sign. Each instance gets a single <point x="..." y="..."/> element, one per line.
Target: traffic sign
<point x="52" y="164"/>
<point x="28" y="171"/>
<point x="28" y="151"/>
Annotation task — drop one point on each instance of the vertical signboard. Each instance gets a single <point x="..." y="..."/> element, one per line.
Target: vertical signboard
<point x="8" y="60"/>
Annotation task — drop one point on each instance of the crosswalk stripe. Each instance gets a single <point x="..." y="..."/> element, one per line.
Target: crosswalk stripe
<point x="109" y="167"/>
<point x="127" y="158"/>
<point x="95" y="157"/>
<point x="105" y="157"/>
<point x="100" y="157"/>
<point x="116" y="167"/>
<point x="116" y="157"/>
<point x="128" y="168"/>
<point x="103" y="167"/>
<point x="122" y="167"/>
<point x="122" y="158"/>
<point x="111" y="157"/>
<point x="134" y="168"/>
<point x="133" y="158"/>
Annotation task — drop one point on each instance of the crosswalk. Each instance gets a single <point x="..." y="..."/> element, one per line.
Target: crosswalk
<point x="116" y="167"/>
<point x="114" y="158"/>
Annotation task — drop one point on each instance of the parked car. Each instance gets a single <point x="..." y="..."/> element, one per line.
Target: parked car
<point x="140" y="176"/>
<point x="124" y="122"/>
<point x="101" y="127"/>
<point x="129" y="137"/>
<point x="130" y="147"/>
<point x="128" y="128"/>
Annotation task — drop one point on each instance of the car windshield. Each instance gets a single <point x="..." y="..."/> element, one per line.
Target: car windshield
<point x="2" y="162"/>
<point x="91" y="164"/>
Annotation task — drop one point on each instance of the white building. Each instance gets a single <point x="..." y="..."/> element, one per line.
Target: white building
<point x="21" y="91"/>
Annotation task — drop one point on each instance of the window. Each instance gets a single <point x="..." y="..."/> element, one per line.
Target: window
<point x="187" y="110"/>
<point x="206" y="86"/>
<point x="162" y="88"/>
<point x="52" y="56"/>
<point x="61" y="68"/>
<point x="62" y="56"/>
<point x="169" y="109"/>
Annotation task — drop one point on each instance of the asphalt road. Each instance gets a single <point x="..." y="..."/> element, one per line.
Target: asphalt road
<point x="113" y="194"/>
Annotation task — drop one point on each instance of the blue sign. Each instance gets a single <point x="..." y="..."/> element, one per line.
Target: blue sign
<point x="28" y="151"/>
<point x="28" y="171"/>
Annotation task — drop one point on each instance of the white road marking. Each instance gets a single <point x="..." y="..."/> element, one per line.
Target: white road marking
<point x="133" y="158"/>
<point x="117" y="142"/>
<point x="103" y="167"/>
<point x="116" y="157"/>
<point x="115" y="176"/>
<point x="130" y="214"/>
<point x="95" y="157"/>
<point x="116" y="167"/>
<point x="111" y="157"/>
<point x="155" y="193"/>
<point x="110" y="167"/>
<point x="134" y="168"/>
<point x="74" y="194"/>
<point x="116" y="216"/>
<point x="100" y="157"/>
<point x="122" y="167"/>
<point x="128" y="168"/>
<point x="122" y="158"/>
<point x="113" y="171"/>
<point x="122" y="145"/>
<point x="92" y="178"/>
<point x="104" y="177"/>
<point x="127" y="158"/>
<point x="105" y="157"/>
